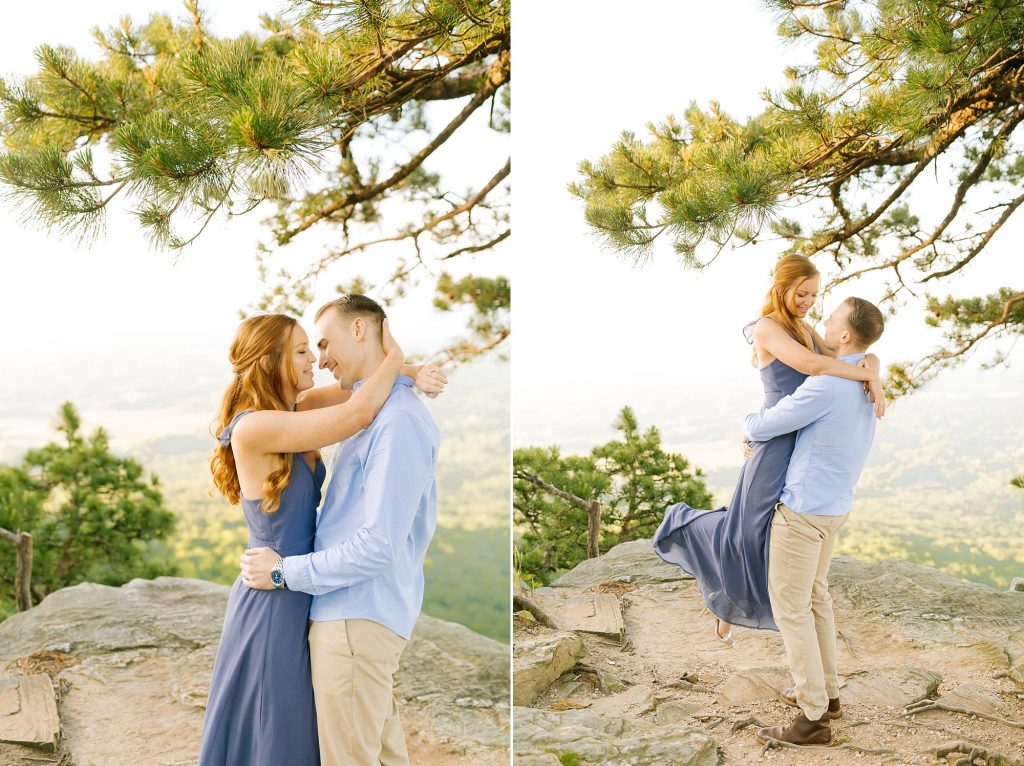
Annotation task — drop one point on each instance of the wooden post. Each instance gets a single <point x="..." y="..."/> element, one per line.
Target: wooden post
<point x="593" y="529"/>
<point x="22" y="542"/>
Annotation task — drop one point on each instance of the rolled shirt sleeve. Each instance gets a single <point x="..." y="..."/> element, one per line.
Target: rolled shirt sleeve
<point x="399" y="465"/>
<point x="807" y="404"/>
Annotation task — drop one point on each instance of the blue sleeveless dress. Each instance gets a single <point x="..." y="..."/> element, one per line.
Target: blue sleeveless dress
<point x="260" y="711"/>
<point x="726" y="550"/>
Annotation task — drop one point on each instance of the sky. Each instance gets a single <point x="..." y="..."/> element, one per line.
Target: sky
<point x="593" y="332"/>
<point x="139" y="337"/>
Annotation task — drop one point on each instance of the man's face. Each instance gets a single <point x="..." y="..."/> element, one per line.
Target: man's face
<point x="339" y="350"/>
<point x="837" y="327"/>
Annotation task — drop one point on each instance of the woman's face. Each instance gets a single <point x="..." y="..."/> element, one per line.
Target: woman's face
<point x="299" y="360"/>
<point x="802" y="296"/>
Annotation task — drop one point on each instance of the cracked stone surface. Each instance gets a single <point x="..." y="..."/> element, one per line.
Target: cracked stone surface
<point x="539" y="661"/>
<point x="905" y="632"/>
<point x="135" y="663"/>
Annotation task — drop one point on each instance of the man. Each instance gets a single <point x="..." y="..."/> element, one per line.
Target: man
<point x="836" y="425"/>
<point x="366" y="569"/>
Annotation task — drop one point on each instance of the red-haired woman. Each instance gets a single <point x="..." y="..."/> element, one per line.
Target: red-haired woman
<point x="726" y="550"/>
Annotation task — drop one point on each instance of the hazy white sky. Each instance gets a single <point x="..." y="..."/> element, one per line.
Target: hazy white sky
<point x="594" y="333"/>
<point x="119" y="315"/>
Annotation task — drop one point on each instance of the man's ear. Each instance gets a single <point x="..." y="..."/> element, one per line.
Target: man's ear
<point x="359" y="328"/>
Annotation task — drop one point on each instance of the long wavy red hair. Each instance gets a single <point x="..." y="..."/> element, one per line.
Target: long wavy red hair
<point x="790" y="271"/>
<point x="257" y="357"/>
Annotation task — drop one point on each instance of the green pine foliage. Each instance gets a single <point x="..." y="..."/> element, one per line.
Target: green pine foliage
<point x="306" y="115"/>
<point x="92" y="515"/>
<point x="900" y="90"/>
<point x="632" y="477"/>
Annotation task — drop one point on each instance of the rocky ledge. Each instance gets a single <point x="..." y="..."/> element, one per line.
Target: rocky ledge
<point x="629" y="671"/>
<point x="103" y="676"/>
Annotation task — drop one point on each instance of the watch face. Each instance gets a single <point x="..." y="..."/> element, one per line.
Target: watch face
<point x="276" y="577"/>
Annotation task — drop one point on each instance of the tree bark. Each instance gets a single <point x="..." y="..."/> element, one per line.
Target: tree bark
<point x="22" y="542"/>
<point x="593" y="529"/>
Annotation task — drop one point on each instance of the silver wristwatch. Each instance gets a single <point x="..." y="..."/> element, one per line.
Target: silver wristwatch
<point x="277" y="575"/>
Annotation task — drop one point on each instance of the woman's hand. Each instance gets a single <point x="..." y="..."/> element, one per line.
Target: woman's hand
<point x="877" y="395"/>
<point x="871" y="362"/>
<point x="873" y="388"/>
<point x="387" y="340"/>
<point x="431" y="381"/>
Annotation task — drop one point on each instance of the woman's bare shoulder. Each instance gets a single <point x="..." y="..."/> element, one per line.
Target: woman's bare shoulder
<point x="766" y="324"/>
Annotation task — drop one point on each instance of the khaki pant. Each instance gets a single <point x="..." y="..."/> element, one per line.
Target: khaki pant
<point x="799" y="554"/>
<point x="354" y="664"/>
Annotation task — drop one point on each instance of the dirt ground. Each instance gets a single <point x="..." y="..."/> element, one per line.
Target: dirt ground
<point x="670" y="647"/>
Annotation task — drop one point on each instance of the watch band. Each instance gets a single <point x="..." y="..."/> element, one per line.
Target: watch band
<point x="277" y="575"/>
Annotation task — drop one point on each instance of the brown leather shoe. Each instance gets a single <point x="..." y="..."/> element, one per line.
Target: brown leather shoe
<point x="800" y="732"/>
<point x="834" y="711"/>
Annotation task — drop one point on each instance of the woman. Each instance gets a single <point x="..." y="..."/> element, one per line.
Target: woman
<point x="726" y="549"/>
<point x="260" y="710"/>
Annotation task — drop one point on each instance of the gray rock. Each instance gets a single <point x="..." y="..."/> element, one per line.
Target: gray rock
<point x="537" y="759"/>
<point x="598" y="613"/>
<point x="538" y="661"/>
<point x="631" y="703"/>
<point x="632" y="562"/>
<point x="933" y="607"/>
<point x="675" y="712"/>
<point x="975" y="698"/>
<point x="28" y="712"/>
<point x="607" y="682"/>
<point x="145" y="657"/>
<point x="891" y="687"/>
<point x="925" y="603"/>
<point x="457" y="681"/>
<point x="608" y="740"/>
<point x="88" y="619"/>
<point x="754" y="684"/>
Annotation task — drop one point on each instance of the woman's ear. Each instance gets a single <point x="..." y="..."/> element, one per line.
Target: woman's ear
<point x="265" y="363"/>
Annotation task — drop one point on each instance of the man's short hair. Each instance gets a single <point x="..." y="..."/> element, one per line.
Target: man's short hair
<point x="866" y="320"/>
<point x="354" y="305"/>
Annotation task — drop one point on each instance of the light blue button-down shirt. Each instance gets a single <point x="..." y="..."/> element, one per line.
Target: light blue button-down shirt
<point x="376" y="520"/>
<point x="835" y="422"/>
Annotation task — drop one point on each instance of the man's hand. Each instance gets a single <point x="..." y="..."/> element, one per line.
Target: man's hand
<point x="747" y="449"/>
<point x="431" y="381"/>
<point x="256" y="565"/>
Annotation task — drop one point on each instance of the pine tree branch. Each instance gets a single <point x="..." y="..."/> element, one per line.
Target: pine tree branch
<point x="466" y="350"/>
<point x="551" y="489"/>
<point x="448" y="88"/>
<point x="498" y="74"/>
<point x="414" y="234"/>
<point x="593" y="508"/>
<point x="974" y="251"/>
<point x="197" y="22"/>
<point x="969" y="181"/>
<point x="478" y="248"/>
<point x="926" y="369"/>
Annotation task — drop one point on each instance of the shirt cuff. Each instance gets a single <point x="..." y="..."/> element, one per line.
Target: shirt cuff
<point x="296" y="573"/>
